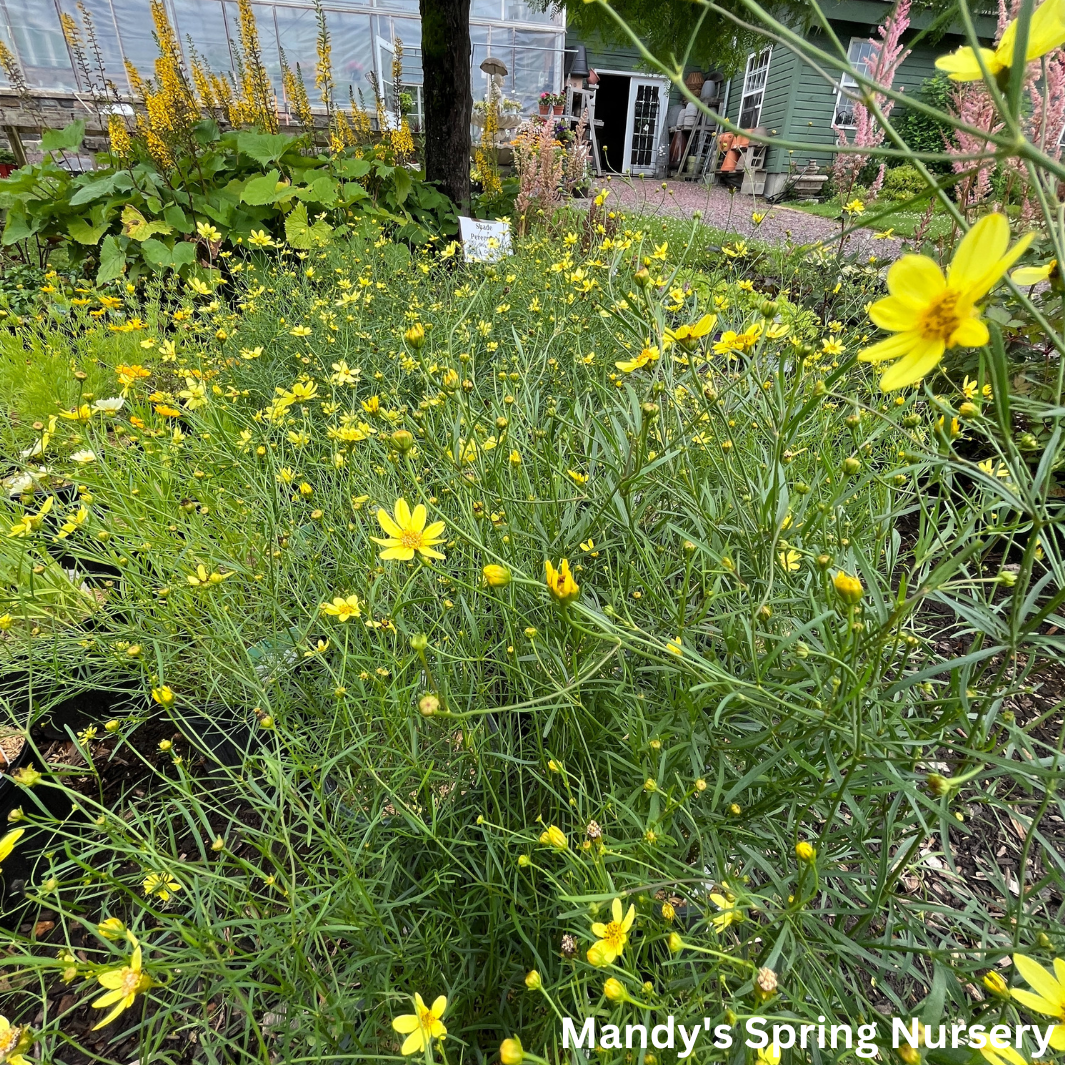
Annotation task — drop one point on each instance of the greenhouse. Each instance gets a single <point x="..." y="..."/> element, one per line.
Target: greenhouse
<point x="530" y="42"/>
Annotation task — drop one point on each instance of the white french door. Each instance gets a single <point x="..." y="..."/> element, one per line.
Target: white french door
<point x="643" y="127"/>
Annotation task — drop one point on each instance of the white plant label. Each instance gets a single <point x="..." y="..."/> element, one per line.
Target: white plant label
<point x="484" y="242"/>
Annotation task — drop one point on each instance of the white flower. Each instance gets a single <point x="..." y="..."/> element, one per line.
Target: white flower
<point x="31" y="452"/>
<point x="109" y="406"/>
<point x="83" y="456"/>
<point x="19" y="484"/>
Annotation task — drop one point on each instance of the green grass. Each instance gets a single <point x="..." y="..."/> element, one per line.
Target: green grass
<point x="881" y="216"/>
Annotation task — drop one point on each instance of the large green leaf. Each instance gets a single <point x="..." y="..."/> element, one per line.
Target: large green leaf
<point x="84" y="233"/>
<point x="135" y="225"/>
<point x="264" y="148"/>
<point x="177" y="218"/>
<point x="156" y="254"/>
<point x="93" y="190"/>
<point x="403" y="184"/>
<point x="18" y="226"/>
<point x="261" y="190"/>
<point x="112" y="261"/>
<point x="301" y="234"/>
<point x="353" y="168"/>
<point x="322" y="190"/>
<point x="183" y="254"/>
<point x="67" y="139"/>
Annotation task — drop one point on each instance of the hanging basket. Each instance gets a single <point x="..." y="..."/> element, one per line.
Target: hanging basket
<point x="694" y="81"/>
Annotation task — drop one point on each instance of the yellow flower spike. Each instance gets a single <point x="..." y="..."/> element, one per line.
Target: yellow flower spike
<point x="408" y="533"/>
<point x="612" y="936"/>
<point x="929" y="312"/>
<point x="422" y="1026"/>
<point x="123" y="985"/>
<point x="560" y="582"/>
<point x="1046" y="32"/>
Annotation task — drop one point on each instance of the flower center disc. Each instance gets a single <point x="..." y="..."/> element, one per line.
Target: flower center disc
<point x="411" y="539"/>
<point x="941" y="318"/>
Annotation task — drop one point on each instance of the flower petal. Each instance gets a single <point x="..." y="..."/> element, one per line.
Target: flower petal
<point x="388" y="524"/>
<point x="615" y="910"/>
<point x="404" y="1023"/>
<point x="980" y="248"/>
<point x="1039" y="980"/>
<point x="629" y="918"/>
<point x="417" y="518"/>
<point x="962" y="65"/>
<point x="1033" y="1002"/>
<point x="402" y="513"/>
<point x="894" y="313"/>
<point x="439" y="1005"/>
<point x="892" y="348"/>
<point x="403" y="554"/>
<point x="972" y="333"/>
<point x="413" y="1043"/>
<point x="1031" y="275"/>
<point x="1046" y="31"/>
<point x="915" y="278"/>
<point x="919" y="363"/>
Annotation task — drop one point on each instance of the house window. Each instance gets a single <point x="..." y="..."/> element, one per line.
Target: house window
<point x="754" y="79"/>
<point x="860" y="55"/>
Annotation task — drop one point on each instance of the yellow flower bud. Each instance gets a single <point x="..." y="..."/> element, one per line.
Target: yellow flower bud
<point x="848" y="588"/>
<point x="675" y="943"/>
<point x="805" y="851"/>
<point x="415" y="336"/>
<point x="615" y="990"/>
<point x="554" y="837"/>
<point x="496" y="576"/>
<point x="996" y="985"/>
<point x="511" y="1052"/>
<point x="533" y="981"/>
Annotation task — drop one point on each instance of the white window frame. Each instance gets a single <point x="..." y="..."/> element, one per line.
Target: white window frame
<point x="846" y="89"/>
<point x="755" y="80"/>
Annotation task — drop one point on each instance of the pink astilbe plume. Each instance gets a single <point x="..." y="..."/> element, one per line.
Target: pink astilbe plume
<point x="971" y="104"/>
<point x="887" y="56"/>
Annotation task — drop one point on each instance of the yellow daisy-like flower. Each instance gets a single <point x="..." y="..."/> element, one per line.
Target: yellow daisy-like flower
<point x="123" y="986"/>
<point x="7" y="845"/>
<point x="1047" y="995"/>
<point x="790" y="560"/>
<point x="13" y="1040"/>
<point x="930" y="312"/>
<point x="162" y="885"/>
<point x="611" y="937"/>
<point x="1002" y="1055"/>
<point x="646" y="356"/>
<point x="727" y="912"/>
<point x="408" y="533"/>
<point x="422" y="1025"/>
<point x="1033" y="275"/>
<point x="560" y="582"/>
<point x="1046" y="32"/>
<point x="688" y="336"/>
<point x="343" y="609"/>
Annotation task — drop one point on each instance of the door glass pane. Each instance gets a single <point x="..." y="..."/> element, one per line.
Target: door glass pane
<point x="39" y="44"/>
<point x="644" y="127"/>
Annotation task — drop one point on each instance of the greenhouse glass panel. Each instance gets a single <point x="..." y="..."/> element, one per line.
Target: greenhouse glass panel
<point x="399" y="5"/>
<point x="104" y="30"/>
<point x="520" y="11"/>
<point x="204" y="22"/>
<point x="264" y="23"/>
<point x="134" y="21"/>
<point x="39" y="44"/>
<point x="352" y="54"/>
<point x="492" y="9"/>
<point x="536" y="62"/>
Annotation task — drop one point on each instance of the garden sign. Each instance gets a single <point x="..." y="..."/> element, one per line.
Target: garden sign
<point x="484" y="242"/>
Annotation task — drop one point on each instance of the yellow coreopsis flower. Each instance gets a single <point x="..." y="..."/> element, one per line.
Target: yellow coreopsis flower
<point x="646" y="356"/>
<point x="612" y="936"/>
<point x="343" y="609"/>
<point x="7" y="845"/>
<point x="688" y="336"/>
<point x="560" y="582"/>
<point x="1046" y="32"/>
<point x="124" y="985"/>
<point x="727" y="912"/>
<point x="13" y="1040"/>
<point x="408" y="533"/>
<point x="422" y="1025"/>
<point x="30" y="523"/>
<point x="1047" y="995"/>
<point x="790" y="560"/>
<point x="162" y="885"/>
<point x="930" y="312"/>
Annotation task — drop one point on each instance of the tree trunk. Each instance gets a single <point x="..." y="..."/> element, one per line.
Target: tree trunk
<point x="447" y="96"/>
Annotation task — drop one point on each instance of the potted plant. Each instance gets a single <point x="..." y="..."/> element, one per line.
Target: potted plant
<point x="8" y="162"/>
<point x="558" y="103"/>
<point x="546" y="100"/>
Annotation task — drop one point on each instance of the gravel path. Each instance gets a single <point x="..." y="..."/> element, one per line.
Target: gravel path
<point x="732" y="212"/>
